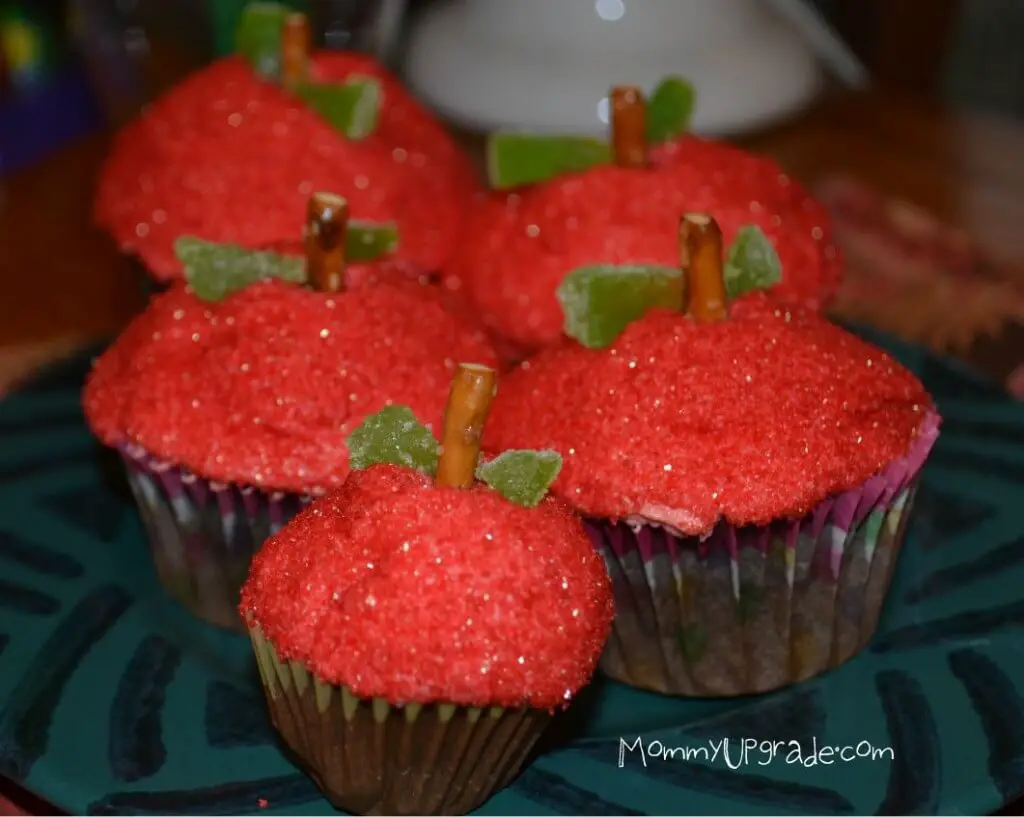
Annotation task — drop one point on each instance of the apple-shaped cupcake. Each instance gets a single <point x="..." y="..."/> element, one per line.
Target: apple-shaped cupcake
<point x="230" y="399"/>
<point x="231" y="154"/>
<point x="416" y="629"/>
<point x="517" y="248"/>
<point x="745" y="467"/>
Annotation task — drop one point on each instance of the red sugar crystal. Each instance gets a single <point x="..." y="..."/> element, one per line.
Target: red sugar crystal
<point x="228" y="157"/>
<point x="264" y="388"/>
<point x="396" y="588"/>
<point x="752" y="418"/>
<point x="517" y="248"/>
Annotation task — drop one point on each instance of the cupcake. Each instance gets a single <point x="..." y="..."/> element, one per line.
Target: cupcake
<point x="416" y="629"/>
<point x="745" y="467"/>
<point x="519" y="246"/>
<point x="231" y="154"/>
<point x="231" y="397"/>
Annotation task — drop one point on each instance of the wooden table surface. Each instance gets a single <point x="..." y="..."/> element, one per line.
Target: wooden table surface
<point x="62" y="283"/>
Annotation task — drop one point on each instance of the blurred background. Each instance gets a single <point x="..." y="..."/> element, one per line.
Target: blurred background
<point x="68" y="66"/>
<point x="904" y="116"/>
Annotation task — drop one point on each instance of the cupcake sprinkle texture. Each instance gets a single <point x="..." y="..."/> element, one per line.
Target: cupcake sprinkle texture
<point x="264" y="387"/>
<point x="519" y="247"/>
<point x="751" y="418"/>
<point x="397" y="588"/>
<point x="229" y="157"/>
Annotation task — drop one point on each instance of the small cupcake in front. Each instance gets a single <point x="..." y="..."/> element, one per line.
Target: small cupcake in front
<point x="416" y="629"/>
<point x="745" y="466"/>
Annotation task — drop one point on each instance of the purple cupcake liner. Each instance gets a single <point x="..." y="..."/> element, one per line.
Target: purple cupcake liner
<point x="203" y="534"/>
<point x="754" y="608"/>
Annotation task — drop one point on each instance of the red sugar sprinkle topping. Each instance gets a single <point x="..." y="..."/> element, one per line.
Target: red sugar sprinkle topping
<point x="264" y="388"/>
<point x="228" y="157"/>
<point x="754" y="418"/>
<point x="399" y="589"/>
<point x="517" y="248"/>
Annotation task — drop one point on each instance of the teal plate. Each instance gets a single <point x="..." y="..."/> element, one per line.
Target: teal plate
<point x="114" y="701"/>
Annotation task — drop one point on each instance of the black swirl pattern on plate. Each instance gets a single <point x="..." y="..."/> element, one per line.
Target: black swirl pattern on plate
<point x="950" y="629"/>
<point x="37" y="558"/>
<point x="286" y="792"/>
<point x="235" y="717"/>
<point x="794" y="715"/>
<point x="940" y="515"/>
<point x="556" y="793"/>
<point x="986" y="430"/>
<point x="66" y="419"/>
<point x="915" y="774"/>
<point x="98" y="509"/>
<point x="989" y="564"/>
<point x="135" y="745"/>
<point x="1000" y="710"/>
<point x="12" y="472"/>
<point x="968" y="462"/>
<point x="27" y="714"/>
<point x="25" y="600"/>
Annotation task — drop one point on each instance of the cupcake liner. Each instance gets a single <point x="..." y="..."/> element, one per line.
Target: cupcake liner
<point x="754" y="608"/>
<point x="369" y="756"/>
<point x="203" y="534"/>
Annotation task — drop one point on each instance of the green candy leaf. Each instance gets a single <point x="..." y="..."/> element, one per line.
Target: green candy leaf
<point x="394" y="436"/>
<point x="522" y="477"/>
<point x="351" y="107"/>
<point x="517" y="159"/>
<point x="216" y="271"/>
<point x="258" y="37"/>
<point x="670" y="109"/>
<point x="599" y="301"/>
<point x="367" y="241"/>
<point x="750" y="263"/>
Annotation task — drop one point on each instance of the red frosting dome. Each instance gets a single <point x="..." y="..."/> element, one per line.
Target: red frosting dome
<point x="264" y="388"/>
<point x="399" y="589"/>
<point x="228" y="157"/>
<point x="753" y="418"/>
<point x="517" y="248"/>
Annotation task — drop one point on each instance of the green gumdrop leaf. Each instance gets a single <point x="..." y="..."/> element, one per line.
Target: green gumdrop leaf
<point x="693" y="643"/>
<point x="216" y="271"/>
<point x="393" y="436"/>
<point x="522" y="477"/>
<point x="599" y="301"/>
<point x="352" y="107"/>
<point x="750" y="263"/>
<point x="670" y="109"/>
<point x="258" y="37"/>
<point x="366" y="241"/>
<point x="518" y="159"/>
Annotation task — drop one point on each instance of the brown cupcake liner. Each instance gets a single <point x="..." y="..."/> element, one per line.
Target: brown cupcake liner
<point x="203" y="534"/>
<point x="370" y="756"/>
<point x="751" y="609"/>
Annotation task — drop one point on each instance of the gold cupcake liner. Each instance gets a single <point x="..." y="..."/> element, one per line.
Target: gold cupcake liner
<point x="369" y="756"/>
